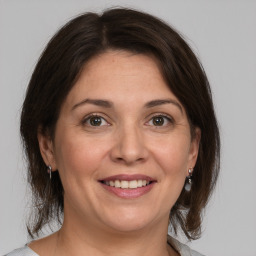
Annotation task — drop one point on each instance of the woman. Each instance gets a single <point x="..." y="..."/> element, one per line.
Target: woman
<point x="121" y="138"/>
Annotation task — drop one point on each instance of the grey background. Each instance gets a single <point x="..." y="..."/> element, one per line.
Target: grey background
<point x="222" y="33"/>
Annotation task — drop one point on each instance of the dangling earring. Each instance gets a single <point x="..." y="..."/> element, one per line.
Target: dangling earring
<point x="189" y="180"/>
<point x="49" y="170"/>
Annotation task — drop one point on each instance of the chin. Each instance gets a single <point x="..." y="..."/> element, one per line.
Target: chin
<point x="128" y="226"/>
<point x="129" y="221"/>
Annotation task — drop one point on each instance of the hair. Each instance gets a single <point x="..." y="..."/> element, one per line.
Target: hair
<point x="58" y="69"/>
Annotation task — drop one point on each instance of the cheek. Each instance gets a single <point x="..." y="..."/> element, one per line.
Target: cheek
<point x="78" y="156"/>
<point x="173" y="156"/>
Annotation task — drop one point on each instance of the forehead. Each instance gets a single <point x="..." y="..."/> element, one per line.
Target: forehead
<point x="121" y="76"/>
<point x="123" y="61"/>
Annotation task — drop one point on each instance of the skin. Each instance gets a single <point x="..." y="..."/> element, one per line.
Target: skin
<point x="127" y="141"/>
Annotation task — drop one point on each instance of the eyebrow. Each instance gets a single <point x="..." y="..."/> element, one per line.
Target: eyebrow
<point x="159" y="102"/>
<point x="108" y="104"/>
<point x="97" y="102"/>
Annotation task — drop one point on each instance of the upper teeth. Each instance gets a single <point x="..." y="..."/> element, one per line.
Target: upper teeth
<point x="126" y="183"/>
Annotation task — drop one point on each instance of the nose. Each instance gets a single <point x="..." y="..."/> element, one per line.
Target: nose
<point x="129" y="147"/>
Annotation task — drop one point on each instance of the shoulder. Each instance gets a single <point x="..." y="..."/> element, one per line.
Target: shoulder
<point x="183" y="249"/>
<point x="24" y="251"/>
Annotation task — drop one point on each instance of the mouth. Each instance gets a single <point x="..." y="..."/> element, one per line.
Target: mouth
<point x="128" y="186"/>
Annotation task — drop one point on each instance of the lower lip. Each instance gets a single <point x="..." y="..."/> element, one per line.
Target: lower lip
<point x="129" y="193"/>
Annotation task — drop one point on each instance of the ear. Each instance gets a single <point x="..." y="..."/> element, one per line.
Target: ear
<point x="47" y="149"/>
<point x="194" y="148"/>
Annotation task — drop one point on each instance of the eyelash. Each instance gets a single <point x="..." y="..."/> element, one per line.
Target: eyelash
<point x="166" y="117"/>
<point x="87" y="119"/>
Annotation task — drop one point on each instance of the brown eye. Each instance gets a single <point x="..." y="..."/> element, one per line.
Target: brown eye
<point x="158" y="120"/>
<point x="95" y="121"/>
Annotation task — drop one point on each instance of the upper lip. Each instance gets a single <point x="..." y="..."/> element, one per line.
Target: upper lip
<point x="128" y="177"/>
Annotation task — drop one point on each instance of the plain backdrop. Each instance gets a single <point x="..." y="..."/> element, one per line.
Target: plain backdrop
<point x="223" y="35"/>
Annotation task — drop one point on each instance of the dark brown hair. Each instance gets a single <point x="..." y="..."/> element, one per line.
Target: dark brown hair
<point x="56" y="72"/>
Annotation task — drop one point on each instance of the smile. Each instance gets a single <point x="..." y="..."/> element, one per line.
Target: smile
<point x="126" y="184"/>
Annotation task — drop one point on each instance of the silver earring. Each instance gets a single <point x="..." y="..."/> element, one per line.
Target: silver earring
<point x="49" y="170"/>
<point x="188" y="184"/>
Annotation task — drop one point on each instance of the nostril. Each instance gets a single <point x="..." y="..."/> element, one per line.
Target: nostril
<point x="129" y="160"/>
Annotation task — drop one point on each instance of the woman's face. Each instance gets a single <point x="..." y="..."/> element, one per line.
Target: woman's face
<point x="122" y="144"/>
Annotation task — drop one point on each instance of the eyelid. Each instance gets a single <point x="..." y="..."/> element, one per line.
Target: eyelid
<point x="105" y="118"/>
<point x="100" y="115"/>
<point x="167" y="116"/>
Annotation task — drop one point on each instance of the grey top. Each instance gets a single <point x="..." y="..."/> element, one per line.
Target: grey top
<point x="183" y="249"/>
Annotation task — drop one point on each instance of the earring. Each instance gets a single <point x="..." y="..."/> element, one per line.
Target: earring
<point x="189" y="180"/>
<point x="49" y="170"/>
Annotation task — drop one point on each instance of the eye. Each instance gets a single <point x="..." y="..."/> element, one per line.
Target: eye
<point x="160" y="120"/>
<point x="95" y="120"/>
